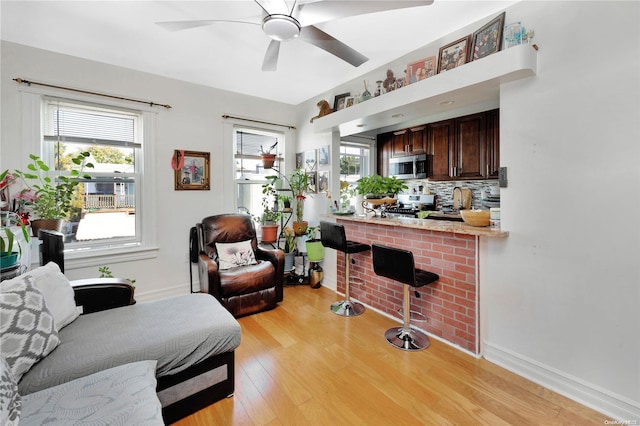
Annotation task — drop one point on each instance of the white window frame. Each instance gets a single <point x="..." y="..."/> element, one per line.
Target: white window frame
<point x="110" y="252"/>
<point x="230" y="125"/>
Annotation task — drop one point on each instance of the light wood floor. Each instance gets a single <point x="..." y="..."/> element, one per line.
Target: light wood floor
<point x="300" y="364"/>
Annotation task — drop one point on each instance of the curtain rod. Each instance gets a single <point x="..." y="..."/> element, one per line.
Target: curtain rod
<point x="29" y="83"/>
<point x="258" y="121"/>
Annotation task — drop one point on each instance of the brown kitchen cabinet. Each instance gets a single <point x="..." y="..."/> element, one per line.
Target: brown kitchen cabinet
<point x="412" y="141"/>
<point x="469" y="147"/>
<point x="466" y="147"/>
<point x="440" y="140"/>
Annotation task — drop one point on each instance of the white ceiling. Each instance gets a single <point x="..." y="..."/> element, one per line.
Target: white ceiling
<point x="228" y="55"/>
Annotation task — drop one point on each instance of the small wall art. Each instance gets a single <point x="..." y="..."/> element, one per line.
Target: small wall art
<point x="454" y="54"/>
<point x="323" y="181"/>
<point x="323" y="156"/>
<point x="310" y="161"/>
<point x="488" y="39"/>
<point x="191" y="170"/>
<point x="313" y="182"/>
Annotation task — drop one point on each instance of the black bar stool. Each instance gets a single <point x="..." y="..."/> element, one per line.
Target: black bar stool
<point x="333" y="236"/>
<point x="398" y="265"/>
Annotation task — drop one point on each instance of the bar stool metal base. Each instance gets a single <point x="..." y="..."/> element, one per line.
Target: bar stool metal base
<point x="407" y="339"/>
<point x="347" y="308"/>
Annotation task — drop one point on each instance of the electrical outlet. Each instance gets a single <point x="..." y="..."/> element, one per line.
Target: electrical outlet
<point x="502" y="177"/>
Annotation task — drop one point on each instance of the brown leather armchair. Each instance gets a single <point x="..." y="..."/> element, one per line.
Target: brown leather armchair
<point x="246" y="289"/>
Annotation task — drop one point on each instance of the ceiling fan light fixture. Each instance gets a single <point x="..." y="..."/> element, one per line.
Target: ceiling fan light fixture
<point x="281" y="27"/>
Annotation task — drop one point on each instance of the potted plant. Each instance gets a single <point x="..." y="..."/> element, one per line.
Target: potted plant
<point x="286" y="202"/>
<point x="8" y="257"/>
<point x="267" y="156"/>
<point x="289" y="248"/>
<point x="315" y="249"/>
<point x="269" y="218"/>
<point x="299" y="183"/>
<point x="376" y="186"/>
<point x="52" y="196"/>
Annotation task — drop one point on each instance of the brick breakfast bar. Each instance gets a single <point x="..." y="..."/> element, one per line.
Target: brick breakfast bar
<point x="449" y="249"/>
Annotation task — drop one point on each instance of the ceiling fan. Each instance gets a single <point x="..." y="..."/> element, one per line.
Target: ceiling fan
<point x="282" y="23"/>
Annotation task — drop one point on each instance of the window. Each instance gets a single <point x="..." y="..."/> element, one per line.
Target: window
<point x="106" y="209"/>
<point x="250" y="175"/>
<point x="355" y="162"/>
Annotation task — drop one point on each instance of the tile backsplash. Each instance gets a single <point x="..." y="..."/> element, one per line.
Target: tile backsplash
<point x="444" y="190"/>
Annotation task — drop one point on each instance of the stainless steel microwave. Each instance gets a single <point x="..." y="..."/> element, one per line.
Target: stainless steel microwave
<point x="409" y="167"/>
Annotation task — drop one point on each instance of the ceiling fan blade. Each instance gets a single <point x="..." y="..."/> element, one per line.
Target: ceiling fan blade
<point x="319" y="38"/>
<point x="274" y="7"/>
<point x="185" y="25"/>
<point x="323" y="11"/>
<point x="270" y="62"/>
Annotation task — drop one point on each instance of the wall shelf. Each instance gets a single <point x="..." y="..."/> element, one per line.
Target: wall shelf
<point x="474" y="83"/>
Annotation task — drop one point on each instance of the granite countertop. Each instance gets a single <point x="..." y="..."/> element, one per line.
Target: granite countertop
<point x="429" y="224"/>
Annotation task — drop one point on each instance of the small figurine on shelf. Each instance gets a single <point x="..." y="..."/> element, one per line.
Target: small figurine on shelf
<point x="378" y="91"/>
<point x="366" y="95"/>
<point x="325" y="109"/>
<point x="389" y="82"/>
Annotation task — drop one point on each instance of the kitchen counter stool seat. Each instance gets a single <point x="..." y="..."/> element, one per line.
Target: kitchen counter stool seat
<point x="334" y="236"/>
<point x="398" y="265"/>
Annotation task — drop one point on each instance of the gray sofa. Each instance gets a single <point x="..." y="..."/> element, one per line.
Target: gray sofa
<point x="189" y="340"/>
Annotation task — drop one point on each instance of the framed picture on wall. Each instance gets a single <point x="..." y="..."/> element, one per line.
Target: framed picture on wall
<point x="313" y="182"/>
<point x="454" y="54"/>
<point x="323" y="181"/>
<point x="191" y="170"/>
<point x="323" y="156"/>
<point x="488" y="39"/>
<point x="310" y="161"/>
<point x="299" y="160"/>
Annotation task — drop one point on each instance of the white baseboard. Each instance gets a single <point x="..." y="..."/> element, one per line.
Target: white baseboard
<point x="606" y="402"/>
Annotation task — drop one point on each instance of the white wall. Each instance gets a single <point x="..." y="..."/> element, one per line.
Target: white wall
<point x="194" y="123"/>
<point x="559" y="297"/>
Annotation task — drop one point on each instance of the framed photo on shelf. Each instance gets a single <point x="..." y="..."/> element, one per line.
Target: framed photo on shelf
<point x="349" y="101"/>
<point x="191" y="170"/>
<point x="340" y="101"/>
<point x="313" y="182"/>
<point x="420" y="70"/>
<point x="454" y="54"/>
<point x="299" y="160"/>
<point x="488" y="39"/>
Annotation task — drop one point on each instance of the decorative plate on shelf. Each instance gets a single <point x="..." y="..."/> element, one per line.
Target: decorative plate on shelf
<point x="343" y="213"/>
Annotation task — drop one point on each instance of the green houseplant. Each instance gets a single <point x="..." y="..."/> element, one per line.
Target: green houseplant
<point x="376" y="186"/>
<point x="8" y="257"/>
<point x="299" y="183"/>
<point x="269" y="217"/>
<point x="53" y="196"/>
<point x="267" y="156"/>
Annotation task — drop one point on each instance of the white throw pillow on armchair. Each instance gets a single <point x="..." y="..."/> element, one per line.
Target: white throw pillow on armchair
<point x="58" y="293"/>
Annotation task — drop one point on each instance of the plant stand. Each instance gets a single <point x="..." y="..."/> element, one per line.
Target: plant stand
<point x="302" y="279"/>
